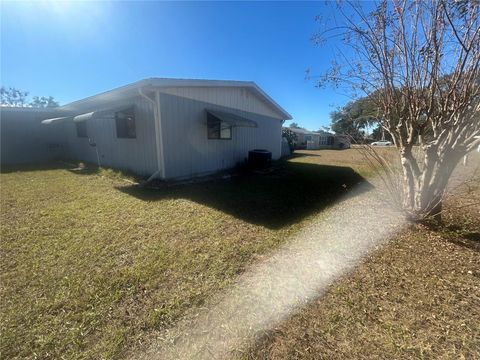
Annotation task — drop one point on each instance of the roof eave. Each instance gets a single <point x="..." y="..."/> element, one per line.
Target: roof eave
<point x="165" y="82"/>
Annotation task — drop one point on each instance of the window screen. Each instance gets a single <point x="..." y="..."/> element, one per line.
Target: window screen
<point x="218" y="129"/>
<point x="125" y="123"/>
<point x="81" y="129"/>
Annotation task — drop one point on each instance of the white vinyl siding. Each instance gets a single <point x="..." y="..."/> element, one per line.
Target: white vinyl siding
<point x="231" y="97"/>
<point x="189" y="152"/>
<point x="134" y="154"/>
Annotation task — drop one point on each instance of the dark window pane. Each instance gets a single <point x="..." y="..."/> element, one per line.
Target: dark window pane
<point x="125" y="124"/>
<point x="217" y="129"/>
<point x="213" y="127"/>
<point x="81" y="129"/>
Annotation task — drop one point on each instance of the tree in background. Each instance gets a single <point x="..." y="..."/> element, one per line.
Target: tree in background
<point x="43" y="102"/>
<point x="324" y="129"/>
<point x="419" y="62"/>
<point x="379" y="133"/>
<point x="13" y="97"/>
<point x="356" y="118"/>
<point x="294" y="125"/>
<point x="344" y="124"/>
<point x="19" y="98"/>
<point x="290" y="136"/>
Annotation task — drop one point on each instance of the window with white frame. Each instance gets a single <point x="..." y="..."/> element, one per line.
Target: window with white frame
<point x="218" y="129"/>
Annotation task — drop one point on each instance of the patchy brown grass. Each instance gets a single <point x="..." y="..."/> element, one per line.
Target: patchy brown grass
<point x="417" y="297"/>
<point x="90" y="265"/>
<point x="352" y="158"/>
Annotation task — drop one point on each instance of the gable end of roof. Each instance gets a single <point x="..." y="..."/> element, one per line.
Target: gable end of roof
<point x="131" y="90"/>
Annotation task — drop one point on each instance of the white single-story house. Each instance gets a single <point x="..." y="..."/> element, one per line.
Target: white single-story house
<point x="312" y="140"/>
<point x="157" y="127"/>
<point x="302" y="137"/>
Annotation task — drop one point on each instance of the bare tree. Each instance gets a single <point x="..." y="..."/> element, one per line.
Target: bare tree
<point x="419" y="61"/>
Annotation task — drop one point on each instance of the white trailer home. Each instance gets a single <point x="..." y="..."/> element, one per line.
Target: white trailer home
<point x="170" y="128"/>
<point x="25" y="140"/>
<point x="314" y="140"/>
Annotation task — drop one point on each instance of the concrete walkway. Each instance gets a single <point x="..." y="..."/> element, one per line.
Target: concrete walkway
<point x="300" y="271"/>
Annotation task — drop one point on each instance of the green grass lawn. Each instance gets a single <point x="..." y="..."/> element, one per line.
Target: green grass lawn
<point x="91" y="264"/>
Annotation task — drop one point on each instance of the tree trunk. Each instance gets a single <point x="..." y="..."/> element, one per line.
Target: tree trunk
<point x="424" y="189"/>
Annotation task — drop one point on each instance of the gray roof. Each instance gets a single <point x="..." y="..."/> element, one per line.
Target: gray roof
<point x="130" y="90"/>
<point x="300" y="131"/>
<point x="308" y="132"/>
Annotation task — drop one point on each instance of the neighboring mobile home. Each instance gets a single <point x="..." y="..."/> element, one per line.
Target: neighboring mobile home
<point x="303" y="136"/>
<point x="165" y="128"/>
<point x="312" y="140"/>
<point x="24" y="139"/>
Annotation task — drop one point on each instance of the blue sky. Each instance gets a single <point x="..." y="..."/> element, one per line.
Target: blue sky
<point x="71" y="50"/>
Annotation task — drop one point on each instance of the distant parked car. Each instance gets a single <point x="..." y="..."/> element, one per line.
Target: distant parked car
<point x="382" y="143"/>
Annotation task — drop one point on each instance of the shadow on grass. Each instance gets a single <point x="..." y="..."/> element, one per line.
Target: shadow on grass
<point x="281" y="198"/>
<point x="469" y="240"/>
<point x="72" y="166"/>
<point x="5" y="169"/>
<point x="465" y="238"/>
<point x="296" y="154"/>
<point x="463" y="233"/>
<point x="473" y="236"/>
